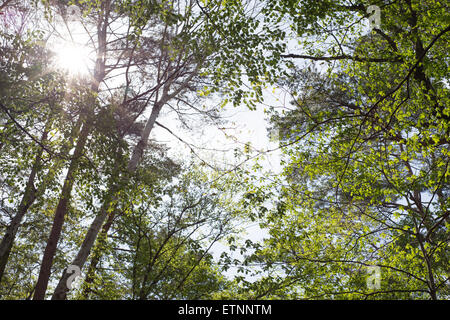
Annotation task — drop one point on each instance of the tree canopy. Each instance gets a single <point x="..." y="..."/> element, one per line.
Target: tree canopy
<point x="358" y="207"/>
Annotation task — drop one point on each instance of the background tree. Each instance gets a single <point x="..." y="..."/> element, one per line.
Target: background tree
<point x="365" y="145"/>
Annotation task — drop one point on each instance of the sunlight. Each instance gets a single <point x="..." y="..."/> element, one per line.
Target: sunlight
<point x="72" y="58"/>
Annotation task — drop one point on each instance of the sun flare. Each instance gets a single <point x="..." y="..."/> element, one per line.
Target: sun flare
<point x="74" y="59"/>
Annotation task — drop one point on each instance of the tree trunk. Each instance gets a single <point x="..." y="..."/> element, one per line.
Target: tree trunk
<point x="97" y="254"/>
<point x="55" y="233"/>
<point x="82" y="255"/>
<point x="61" y="289"/>
<point x="27" y="200"/>
<point x="58" y="220"/>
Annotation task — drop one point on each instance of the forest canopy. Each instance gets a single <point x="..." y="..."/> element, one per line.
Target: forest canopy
<point x="121" y="161"/>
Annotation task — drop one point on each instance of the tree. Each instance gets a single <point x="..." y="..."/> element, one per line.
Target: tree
<point x="366" y="163"/>
<point x="364" y="135"/>
<point x="161" y="247"/>
<point x="166" y="52"/>
<point x="25" y="135"/>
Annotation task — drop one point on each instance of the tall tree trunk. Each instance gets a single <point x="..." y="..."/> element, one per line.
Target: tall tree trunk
<point x="90" y="276"/>
<point x="89" y="240"/>
<point x="11" y="231"/>
<point x="61" y="289"/>
<point x="58" y="220"/>
<point x="27" y="200"/>
<point x="61" y="209"/>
